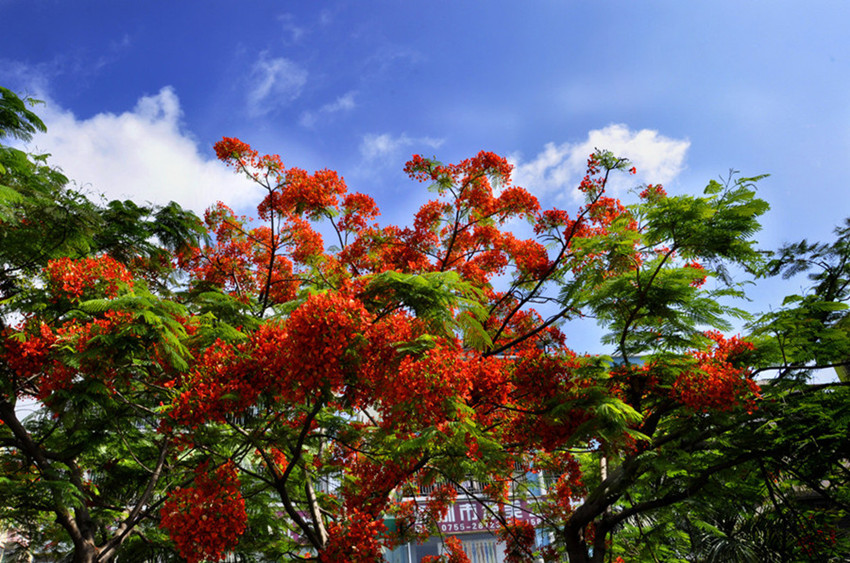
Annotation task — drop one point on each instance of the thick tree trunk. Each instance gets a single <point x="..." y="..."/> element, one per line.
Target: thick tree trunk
<point x="85" y="552"/>
<point x="576" y="548"/>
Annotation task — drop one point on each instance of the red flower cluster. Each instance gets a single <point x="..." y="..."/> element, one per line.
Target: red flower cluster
<point x="519" y="537"/>
<point x="530" y="257"/>
<point x="240" y="262"/>
<point x="26" y="354"/>
<point x="206" y="520"/>
<point x="368" y="492"/>
<point x="471" y="170"/>
<point x="717" y="382"/>
<point x="454" y="553"/>
<point x="101" y="276"/>
<point x="217" y="385"/>
<point x="700" y="281"/>
<point x="357" y="210"/>
<point x="231" y="148"/>
<point x="653" y="192"/>
<point x="462" y="234"/>
<point x="421" y="389"/>
<point x="568" y="488"/>
<point x="37" y="353"/>
<point x="269" y="263"/>
<point x="546" y="381"/>
<point x="30" y="355"/>
<point x="314" y="351"/>
<point x="440" y="500"/>
<point x="359" y="539"/>
<point x="321" y="342"/>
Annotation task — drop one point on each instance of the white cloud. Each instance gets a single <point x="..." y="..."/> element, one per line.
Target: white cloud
<point x="559" y="168"/>
<point x="385" y="146"/>
<point x="274" y="83"/>
<point x="140" y="154"/>
<point x="343" y="103"/>
<point x="288" y="25"/>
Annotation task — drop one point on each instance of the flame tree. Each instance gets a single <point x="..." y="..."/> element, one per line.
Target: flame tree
<point x="397" y="357"/>
<point x="265" y="391"/>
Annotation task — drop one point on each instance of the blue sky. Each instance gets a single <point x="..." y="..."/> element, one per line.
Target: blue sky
<point x="137" y="93"/>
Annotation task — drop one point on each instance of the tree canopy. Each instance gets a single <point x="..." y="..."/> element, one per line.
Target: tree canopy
<point x="229" y="385"/>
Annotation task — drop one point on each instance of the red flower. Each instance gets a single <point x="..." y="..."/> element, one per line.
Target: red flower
<point x="519" y="537"/>
<point x="454" y="553"/>
<point x="231" y="147"/>
<point x="717" y="382"/>
<point x="356" y="540"/>
<point x="206" y="520"/>
<point x="87" y="277"/>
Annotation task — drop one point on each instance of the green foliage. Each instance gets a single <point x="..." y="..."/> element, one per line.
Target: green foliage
<point x="660" y="303"/>
<point x="130" y="232"/>
<point x="780" y="491"/>
<point x="434" y="297"/>
<point x="810" y="329"/>
<point x="720" y="225"/>
<point x="84" y="469"/>
<point x="16" y="120"/>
